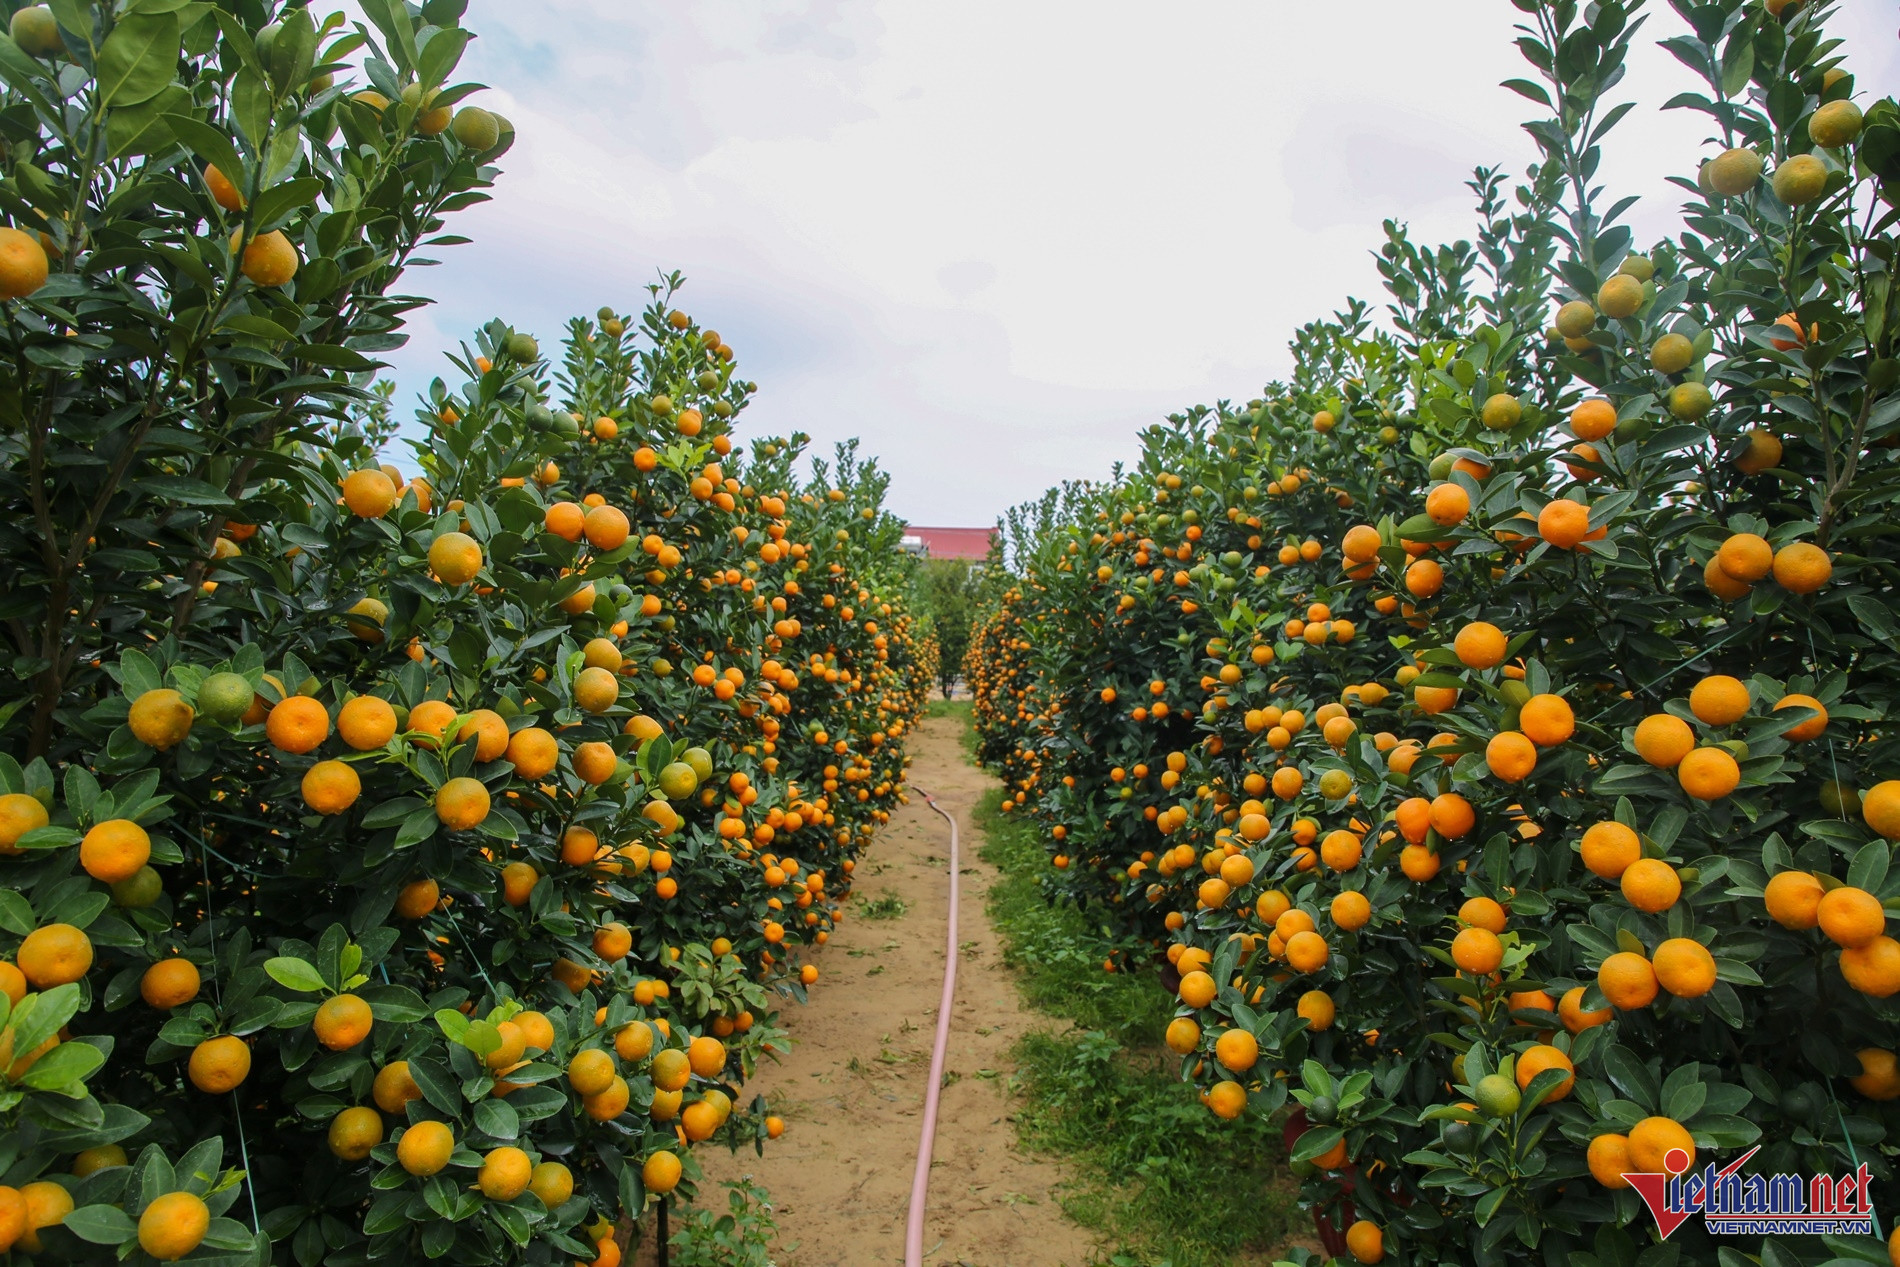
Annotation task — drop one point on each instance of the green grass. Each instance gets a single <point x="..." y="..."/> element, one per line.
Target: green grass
<point x="1158" y="1177"/>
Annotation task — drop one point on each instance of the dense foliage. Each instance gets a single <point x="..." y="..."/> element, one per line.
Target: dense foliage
<point x="1493" y="720"/>
<point x="392" y="867"/>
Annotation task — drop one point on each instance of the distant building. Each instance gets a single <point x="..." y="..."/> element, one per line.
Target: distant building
<point x="948" y="543"/>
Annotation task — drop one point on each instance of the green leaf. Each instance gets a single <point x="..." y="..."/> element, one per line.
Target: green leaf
<point x="38" y="1017"/>
<point x="101" y="1224"/>
<point x="182" y="488"/>
<point x="142" y="129"/>
<point x="440" y="55"/>
<point x="139" y="59"/>
<point x="294" y="974"/>
<point x="210" y="145"/>
<point x="275" y="202"/>
<point x="333" y="357"/>
<point x="1869" y="868"/>
<point x="66" y="1066"/>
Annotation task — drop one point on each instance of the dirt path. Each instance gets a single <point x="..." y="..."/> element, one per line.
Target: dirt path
<point x="852" y="1089"/>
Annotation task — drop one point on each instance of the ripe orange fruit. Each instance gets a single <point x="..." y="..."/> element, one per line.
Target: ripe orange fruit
<point x="671" y="1070"/>
<point x="606" y="528"/>
<point x="610" y="1103"/>
<point x="634" y="1041"/>
<point x="1361" y="542"/>
<point x="1802" y="568"/>
<point x="369" y="493"/>
<point x="1709" y="774"/>
<point x="1593" y="419"/>
<point x="596" y="690"/>
<point x="1236" y="1049"/>
<point x="394" y="1088"/>
<point x="418" y="898"/>
<point x="1628" y="981"/>
<point x="1419" y="863"/>
<point x="552" y="1183"/>
<point x="1663" y="740"/>
<point x="517" y="883"/>
<point x="1365" y="1241"/>
<point x="23" y="264"/>
<point x="1547" y="720"/>
<point x="612" y="941"/>
<point x="1306" y="952"/>
<point x="269" y="260"/>
<point x="1351" y="911"/>
<point x="366" y="722"/>
<point x="425" y="1148"/>
<point x="1880" y="808"/>
<point x="1539" y="1058"/>
<point x="1719" y="700"/>
<point x="489" y="730"/>
<point x="707" y="1056"/>
<point x="354" y="1131"/>
<point x="297" y="723"/>
<point x="223" y="192"/>
<point x="1793" y="899"/>
<point x="462" y="803"/>
<point x="342" y="1021"/>
<point x="115" y="850"/>
<point x="1609" y="1159"/>
<point x="19" y="814"/>
<point x="1482" y="912"/>
<point x="1228" y="1099"/>
<point x="219" y="1064"/>
<point x="1511" y="756"/>
<point x="1479" y="645"/>
<point x="1477" y="951"/>
<point x="590" y="1072"/>
<point x="1879" y="1077"/>
<point x="160" y="718"/>
<point x="173" y="1225"/>
<point x="1652" y="1143"/>
<point x="660" y="1173"/>
<point x="1452" y="815"/>
<point x="1684" y="967"/>
<point x="504" y="1174"/>
<point x="533" y="752"/>
<point x="1813" y="727"/>
<point x="55" y="955"/>
<point x="330" y="787"/>
<point x="595" y="762"/>
<point x="1575" y="1019"/>
<point x="1447" y="505"/>
<point x="1652" y="885"/>
<point x="169" y="983"/>
<point x="1563" y="523"/>
<point x="1424" y="578"/>
<point x="565" y="520"/>
<point x="1848" y="916"/>
<point x="1874" y="968"/>
<point x="1745" y="557"/>
<point x="1316" y="1007"/>
<point x="455" y="558"/>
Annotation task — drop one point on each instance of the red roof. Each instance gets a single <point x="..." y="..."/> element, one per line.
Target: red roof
<point x="952" y="543"/>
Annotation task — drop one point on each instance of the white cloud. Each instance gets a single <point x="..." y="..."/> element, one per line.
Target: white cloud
<point x="994" y="238"/>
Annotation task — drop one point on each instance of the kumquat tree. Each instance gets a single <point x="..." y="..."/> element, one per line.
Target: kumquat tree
<point x="393" y="867"/>
<point x="1492" y="724"/>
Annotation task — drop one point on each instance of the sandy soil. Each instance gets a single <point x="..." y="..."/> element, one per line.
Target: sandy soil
<point x="851" y="1090"/>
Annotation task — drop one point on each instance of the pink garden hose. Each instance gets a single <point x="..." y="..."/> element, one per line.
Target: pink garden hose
<point x="920" y="1184"/>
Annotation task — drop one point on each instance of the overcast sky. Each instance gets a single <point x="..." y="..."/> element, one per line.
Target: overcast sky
<point x="995" y="238"/>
